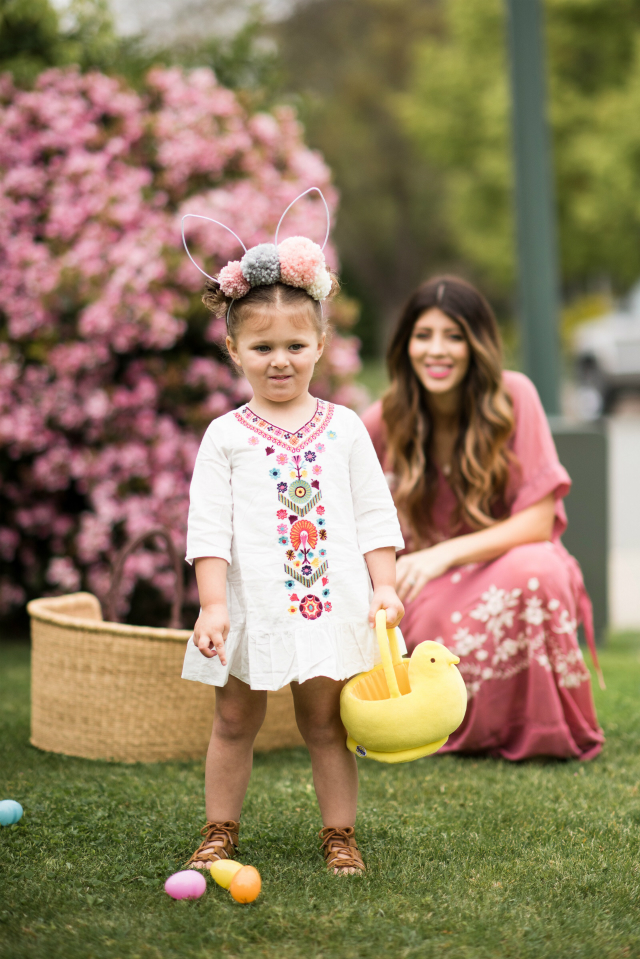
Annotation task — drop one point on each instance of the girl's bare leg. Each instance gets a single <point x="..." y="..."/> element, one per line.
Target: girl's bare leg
<point x="335" y="774"/>
<point x="239" y="715"/>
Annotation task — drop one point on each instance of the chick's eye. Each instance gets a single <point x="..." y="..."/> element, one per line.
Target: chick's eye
<point x="432" y="660"/>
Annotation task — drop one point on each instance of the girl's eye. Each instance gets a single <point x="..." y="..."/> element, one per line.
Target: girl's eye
<point x="263" y="349"/>
<point x="297" y="346"/>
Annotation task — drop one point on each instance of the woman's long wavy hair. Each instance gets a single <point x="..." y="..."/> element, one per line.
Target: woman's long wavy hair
<point x="480" y="469"/>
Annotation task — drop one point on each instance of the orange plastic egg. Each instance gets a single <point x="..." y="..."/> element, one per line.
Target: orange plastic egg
<point x="246" y="884"/>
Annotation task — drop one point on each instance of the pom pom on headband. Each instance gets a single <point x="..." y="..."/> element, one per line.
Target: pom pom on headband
<point x="297" y="261"/>
<point x="260" y="265"/>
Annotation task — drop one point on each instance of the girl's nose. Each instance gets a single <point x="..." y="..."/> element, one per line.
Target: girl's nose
<point x="280" y="359"/>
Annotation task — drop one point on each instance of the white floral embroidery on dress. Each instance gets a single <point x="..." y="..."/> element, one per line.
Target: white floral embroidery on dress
<point x="536" y="642"/>
<point x="497" y="609"/>
<point x="566" y="624"/>
<point x="533" y="612"/>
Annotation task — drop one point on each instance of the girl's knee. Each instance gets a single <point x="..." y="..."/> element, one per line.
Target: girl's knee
<point x="234" y="723"/>
<point x="321" y="732"/>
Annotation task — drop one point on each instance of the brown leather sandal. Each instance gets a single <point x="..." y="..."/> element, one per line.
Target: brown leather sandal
<point x="340" y="850"/>
<point x="220" y="842"/>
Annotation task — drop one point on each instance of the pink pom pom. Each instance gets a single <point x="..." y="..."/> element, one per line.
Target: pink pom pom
<point x="232" y="282"/>
<point x="301" y="260"/>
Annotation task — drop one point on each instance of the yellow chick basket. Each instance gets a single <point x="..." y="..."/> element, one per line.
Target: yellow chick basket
<point x="403" y="709"/>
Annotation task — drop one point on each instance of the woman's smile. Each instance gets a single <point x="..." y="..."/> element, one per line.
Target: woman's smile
<point x="439" y="371"/>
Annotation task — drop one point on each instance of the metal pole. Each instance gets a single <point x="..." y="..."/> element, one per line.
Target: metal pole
<point x="538" y="284"/>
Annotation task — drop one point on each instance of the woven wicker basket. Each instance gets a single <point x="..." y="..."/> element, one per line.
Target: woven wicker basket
<point x="105" y="690"/>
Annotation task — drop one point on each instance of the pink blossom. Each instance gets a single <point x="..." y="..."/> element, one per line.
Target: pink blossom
<point x="110" y="368"/>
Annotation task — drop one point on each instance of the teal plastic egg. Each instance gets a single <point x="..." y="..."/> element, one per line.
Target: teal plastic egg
<point x="10" y="812"/>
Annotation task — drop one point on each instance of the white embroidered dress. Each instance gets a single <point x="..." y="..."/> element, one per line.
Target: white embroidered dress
<point x="293" y="514"/>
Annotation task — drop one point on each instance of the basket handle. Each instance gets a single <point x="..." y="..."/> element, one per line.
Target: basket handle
<point x="118" y="569"/>
<point x="389" y="651"/>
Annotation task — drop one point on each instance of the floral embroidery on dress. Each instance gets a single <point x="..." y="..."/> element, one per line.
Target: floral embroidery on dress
<point x="304" y="563"/>
<point x="310" y="607"/>
<point x="291" y="441"/>
<point x="505" y="648"/>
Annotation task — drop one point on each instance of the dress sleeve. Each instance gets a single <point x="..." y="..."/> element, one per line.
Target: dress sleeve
<point x="540" y="471"/>
<point x="372" y="419"/>
<point x="375" y="513"/>
<point x="209" y="530"/>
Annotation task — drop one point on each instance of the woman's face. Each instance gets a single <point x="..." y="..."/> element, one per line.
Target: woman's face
<point x="439" y="352"/>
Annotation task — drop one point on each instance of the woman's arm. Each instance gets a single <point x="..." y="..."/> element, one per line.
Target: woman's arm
<point x="531" y="525"/>
<point x="212" y="626"/>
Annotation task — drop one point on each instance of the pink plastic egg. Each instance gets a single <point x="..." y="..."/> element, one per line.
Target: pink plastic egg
<point x="188" y="884"/>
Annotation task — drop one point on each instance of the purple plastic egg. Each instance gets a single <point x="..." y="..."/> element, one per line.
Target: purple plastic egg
<point x="188" y="884"/>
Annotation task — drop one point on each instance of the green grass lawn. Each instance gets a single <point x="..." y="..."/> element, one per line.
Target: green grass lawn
<point x="466" y="857"/>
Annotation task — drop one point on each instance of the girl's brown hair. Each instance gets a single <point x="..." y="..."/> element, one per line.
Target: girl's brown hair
<point x="260" y="298"/>
<point x="480" y="469"/>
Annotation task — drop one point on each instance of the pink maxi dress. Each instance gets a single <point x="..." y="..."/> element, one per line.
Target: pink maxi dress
<point x="513" y="621"/>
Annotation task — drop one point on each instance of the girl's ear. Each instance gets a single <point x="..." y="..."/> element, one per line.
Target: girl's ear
<point x="321" y="343"/>
<point x="232" y="351"/>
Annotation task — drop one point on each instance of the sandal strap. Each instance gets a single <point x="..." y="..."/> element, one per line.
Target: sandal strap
<point x="225" y="837"/>
<point x="340" y="848"/>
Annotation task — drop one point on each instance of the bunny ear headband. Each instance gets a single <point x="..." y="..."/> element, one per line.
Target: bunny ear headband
<point x="297" y="261"/>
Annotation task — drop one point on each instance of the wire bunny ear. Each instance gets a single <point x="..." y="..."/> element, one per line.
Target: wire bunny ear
<point x="310" y="190"/>
<point x="197" y="216"/>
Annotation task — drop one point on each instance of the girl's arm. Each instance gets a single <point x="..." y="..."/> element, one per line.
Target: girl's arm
<point x="531" y="525"/>
<point x="382" y="569"/>
<point x="212" y="627"/>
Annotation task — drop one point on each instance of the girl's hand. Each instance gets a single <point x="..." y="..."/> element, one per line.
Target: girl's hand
<point x="211" y="630"/>
<point x="385" y="597"/>
<point x="414" y="570"/>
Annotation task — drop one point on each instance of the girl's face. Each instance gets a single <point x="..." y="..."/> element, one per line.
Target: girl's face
<point x="277" y="353"/>
<point x="439" y="352"/>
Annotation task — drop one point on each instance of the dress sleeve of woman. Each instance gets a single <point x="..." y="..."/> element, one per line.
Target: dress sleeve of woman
<point x="209" y="531"/>
<point x="374" y="510"/>
<point x="540" y="471"/>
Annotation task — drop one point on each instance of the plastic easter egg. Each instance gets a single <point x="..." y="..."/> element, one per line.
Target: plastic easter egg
<point x="10" y="812"/>
<point x="188" y="884"/>
<point x="223" y="871"/>
<point x="246" y="884"/>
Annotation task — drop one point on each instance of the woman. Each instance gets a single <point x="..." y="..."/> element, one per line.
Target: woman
<point x="479" y="488"/>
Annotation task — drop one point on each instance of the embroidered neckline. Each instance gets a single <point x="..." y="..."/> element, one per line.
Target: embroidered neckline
<point x="274" y="427"/>
<point x="289" y="440"/>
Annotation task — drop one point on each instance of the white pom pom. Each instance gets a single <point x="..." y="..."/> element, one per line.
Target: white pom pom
<point x="321" y="286"/>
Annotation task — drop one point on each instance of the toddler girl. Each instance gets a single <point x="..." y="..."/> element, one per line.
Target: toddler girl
<point x="291" y="523"/>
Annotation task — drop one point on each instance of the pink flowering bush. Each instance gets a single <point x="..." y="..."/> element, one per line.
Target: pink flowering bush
<point x="110" y="367"/>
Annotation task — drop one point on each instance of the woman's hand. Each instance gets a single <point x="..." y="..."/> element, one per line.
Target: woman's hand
<point x="211" y="630"/>
<point x="414" y="570"/>
<point x="385" y="597"/>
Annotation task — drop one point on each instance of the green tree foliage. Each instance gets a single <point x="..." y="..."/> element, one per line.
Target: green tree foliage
<point x="34" y="35"/>
<point x="458" y="115"/>
<point x="346" y="61"/>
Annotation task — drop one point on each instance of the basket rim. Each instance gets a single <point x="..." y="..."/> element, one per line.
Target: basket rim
<point x="44" y="610"/>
